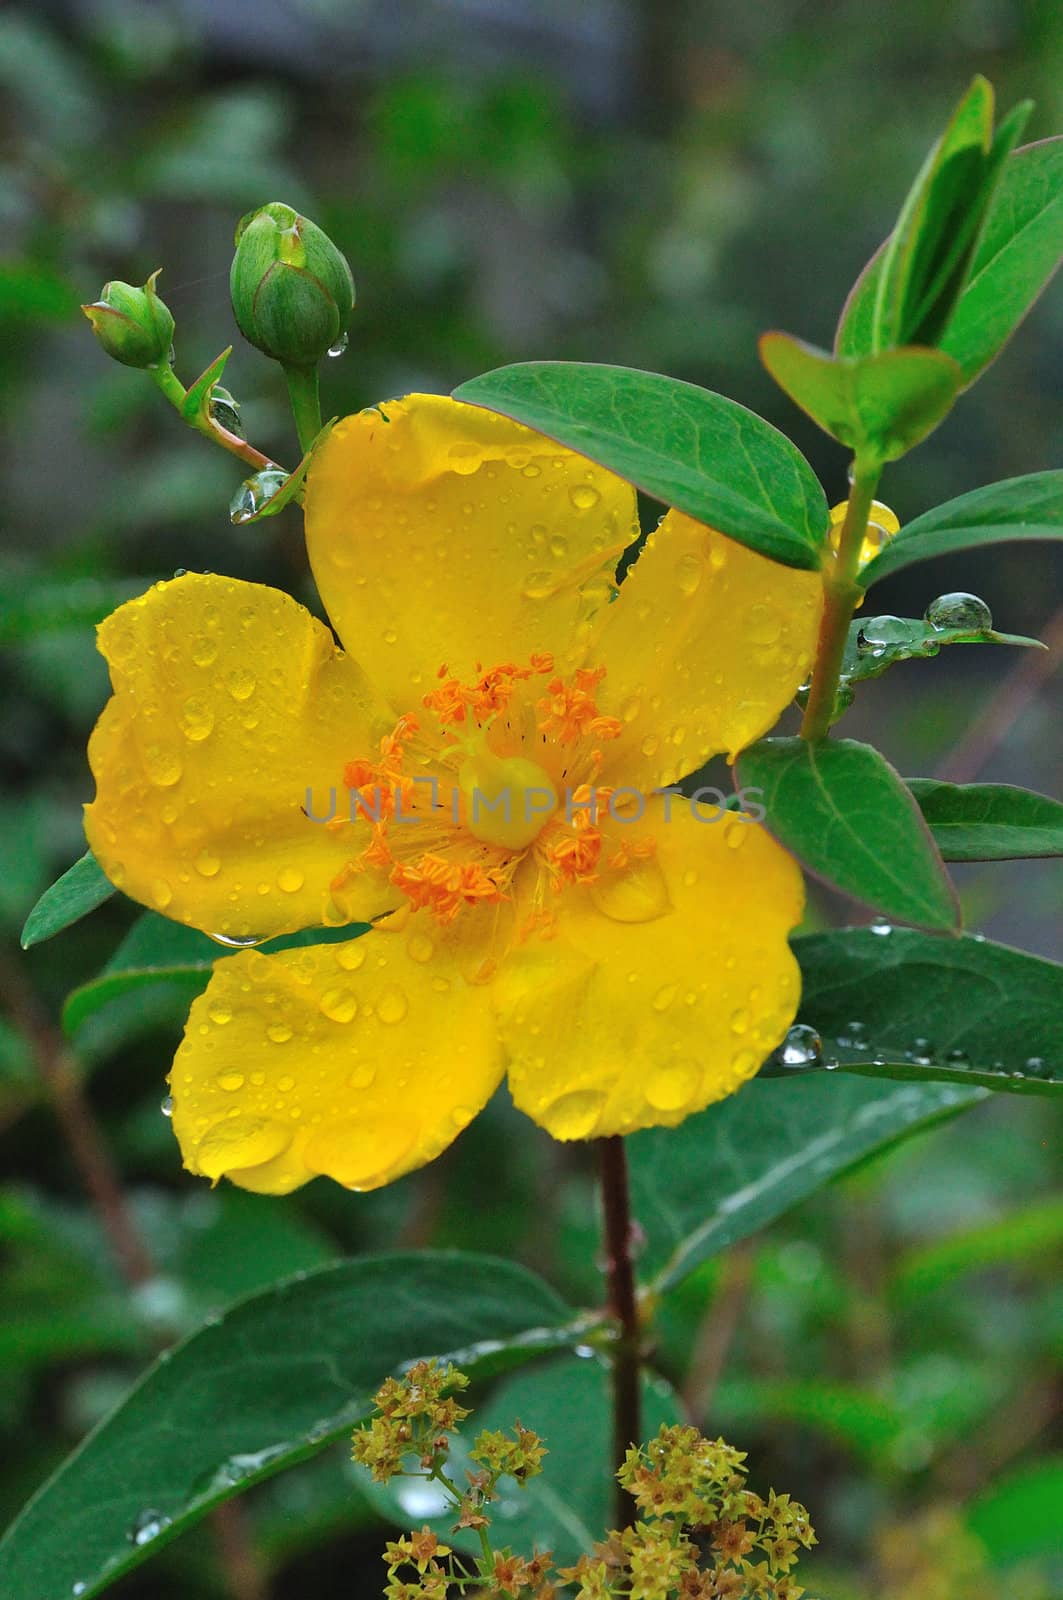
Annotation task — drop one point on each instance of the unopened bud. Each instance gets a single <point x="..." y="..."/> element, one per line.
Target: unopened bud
<point x="133" y="325"/>
<point x="292" y="290"/>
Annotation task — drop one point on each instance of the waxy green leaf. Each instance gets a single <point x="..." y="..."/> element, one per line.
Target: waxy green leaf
<point x="878" y="406"/>
<point x="690" y="448"/>
<point x="989" y="821"/>
<point x="157" y="951"/>
<point x="875" y="644"/>
<point x="80" y="890"/>
<point x="928" y="252"/>
<point x="895" y="1003"/>
<point x="731" y="1170"/>
<point x="1018" y="253"/>
<point x="271" y="1382"/>
<point x="1016" y="508"/>
<point x="843" y="811"/>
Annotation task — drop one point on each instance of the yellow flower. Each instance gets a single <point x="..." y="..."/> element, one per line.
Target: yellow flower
<point x="627" y="964"/>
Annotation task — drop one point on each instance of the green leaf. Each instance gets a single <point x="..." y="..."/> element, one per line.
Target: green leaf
<point x="1030" y="1233"/>
<point x="1018" y="254"/>
<point x="80" y="890"/>
<point x="879" y="406"/>
<point x="157" y="951"/>
<point x="569" y="1505"/>
<point x="928" y="251"/>
<point x="894" y="1003"/>
<point x="989" y="821"/>
<point x="845" y="813"/>
<point x="1016" y="508"/>
<point x="1018" y="1518"/>
<point x="734" y="1168"/>
<point x="693" y="449"/>
<point x="875" y="644"/>
<point x="857" y="1418"/>
<point x="270" y="1383"/>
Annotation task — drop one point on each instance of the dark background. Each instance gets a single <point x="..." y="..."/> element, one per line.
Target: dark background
<point x="651" y="184"/>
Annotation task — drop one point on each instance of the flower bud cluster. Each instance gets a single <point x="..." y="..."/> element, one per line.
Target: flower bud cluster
<point x="701" y="1534"/>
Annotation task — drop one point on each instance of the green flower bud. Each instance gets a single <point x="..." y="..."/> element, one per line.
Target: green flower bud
<point x="292" y="290"/>
<point x="133" y="325"/>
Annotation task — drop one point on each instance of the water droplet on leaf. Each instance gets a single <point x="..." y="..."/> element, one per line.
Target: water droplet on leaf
<point x="962" y="611"/>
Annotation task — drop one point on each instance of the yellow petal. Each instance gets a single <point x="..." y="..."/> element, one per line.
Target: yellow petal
<point x="360" y="1061"/>
<point x="658" y="994"/>
<point x="439" y="532"/>
<point x="230" y="703"/>
<point x="704" y="647"/>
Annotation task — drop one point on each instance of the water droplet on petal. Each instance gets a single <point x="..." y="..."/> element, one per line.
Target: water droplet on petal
<point x="290" y="879"/>
<point x="420" y="948"/>
<point x="539" y="585"/>
<point x="205" y="651"/>
<point x="763" y="624"/>
<point x="339" y="1004"/>
<point x="673" y="1087"/>
<point x="161" y="893"/>
<point x="574" y="1115"/>
<point x="162" y="765"/>
<point x="240" y="683"/>
<point x="220" y="1013"/>
<point x="230" y="1082"/>
<point x="639" y="894"/>
<point x="465" y="458"/>
<point x="197" y="719"/>
<point x="351" y="956"/>
<point x="231" y="942"/>
<point x="740" y="1022"/>
<point x="280" y="1033"/>
<point x="207" y="864"/>
<point x="583" y="496"/>
<point x="392" y="1006"/>
<point x="362" y="1076"/>
<point x="664" y="997"/>
<point x="689" y="571"/>
<point x="959" y="610"/>
<point x="167" y="1106"/>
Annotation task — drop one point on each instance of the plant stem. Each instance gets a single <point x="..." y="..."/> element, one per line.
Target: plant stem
<point x="623" y="1305"/>
<point x="169" y="384"/>
<point x="841" y="592"/>
<point x="303" y="392"/>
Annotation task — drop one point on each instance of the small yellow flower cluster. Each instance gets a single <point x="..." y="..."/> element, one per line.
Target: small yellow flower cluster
<point x="704" y="1536"/>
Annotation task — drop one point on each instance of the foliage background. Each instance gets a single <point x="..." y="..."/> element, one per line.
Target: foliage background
<point x="643" y="183"/>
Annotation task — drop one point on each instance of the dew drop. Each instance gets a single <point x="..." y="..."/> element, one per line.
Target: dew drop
<point x="583" y="496"/>
<point x="461" y="1116"/>
<point x="362" y="1076"/>
<point x="230" y="942"/>
<point x="220" y="1013"/>
<point x="802" y="1047"/>
<point x="922" y="1052"/>
<point x="539" y="585"/>
<point x="392" y="1006"/>
<point x="574" y="1115"/>
<point x="670" y="1088"/>
<point x="420" y="948"/>
<point x="763" y="624"/>
<point x="280" y="1033"/>
<point x="689" y="571"/>
<point x="148" y="1526"/>
<point x="350" y="956"/>
<point x="205" y="651"/>
<point x="240" y="683"/>
<point x="161" y="893"/>
<point x="340" y="346"/>
<point x="230" y="1082"/>
<point x="254" y="494"/>
<point x="163" y="766"/>
<point x="664" y="997"/>
<point x="740" y="1022"/>
<point x="638" y="895"/>
<point x="959" y="610"/>
<point x="207" y="864"/>
<point x="465" y="458"/>
<point x="881" y="928"/>
<point x="290" y="879"/>
<point x="80" y="1587"/>
<point x="339" y="1005"/>
<point x="531" y="471"/>
<point x="167" y="1106"/>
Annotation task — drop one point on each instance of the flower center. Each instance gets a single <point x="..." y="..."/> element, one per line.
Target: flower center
<point x="508" y="799"/>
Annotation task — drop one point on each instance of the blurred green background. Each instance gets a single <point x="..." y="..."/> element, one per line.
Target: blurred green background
<point x="631" y="181"/>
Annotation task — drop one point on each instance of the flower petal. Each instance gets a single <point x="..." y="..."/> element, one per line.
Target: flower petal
<point x="230" y="703"/>
<point x="706" y="644"/>
<point x="441" y="533"/>
<point x="665" y="987"/>
<point x="360" y="1061"/>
